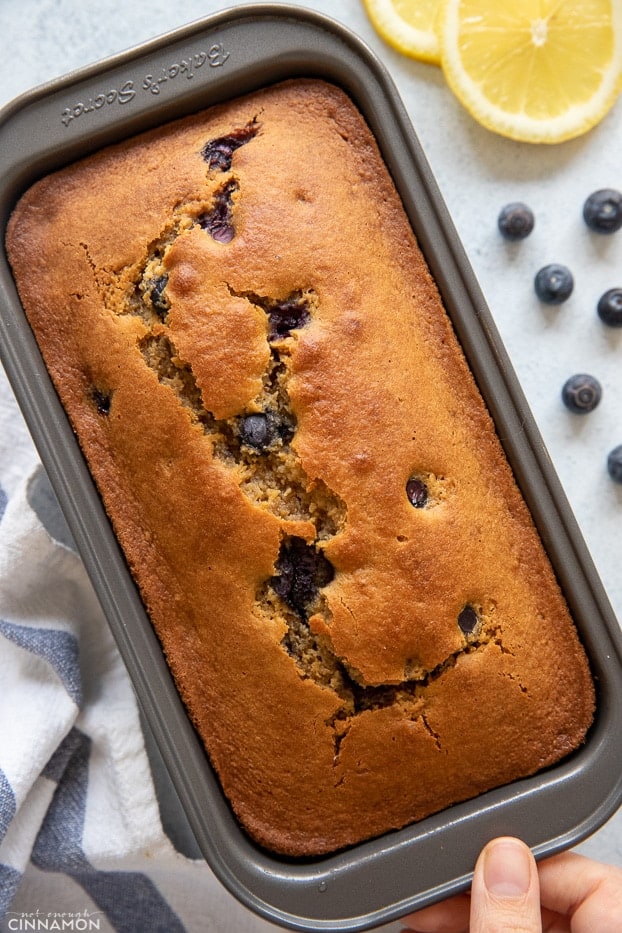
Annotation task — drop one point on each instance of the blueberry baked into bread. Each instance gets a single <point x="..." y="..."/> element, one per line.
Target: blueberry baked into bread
<point x="348" y="587"/>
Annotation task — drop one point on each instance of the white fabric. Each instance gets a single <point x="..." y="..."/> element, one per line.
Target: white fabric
<point x="80" y="826"/>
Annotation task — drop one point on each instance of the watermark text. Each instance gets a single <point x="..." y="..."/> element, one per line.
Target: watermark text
<point x="52" y="920"/>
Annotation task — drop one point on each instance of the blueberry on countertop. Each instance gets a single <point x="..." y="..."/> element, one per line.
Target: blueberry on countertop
<point x="614" y="464"/>
<point x="602" y="211"/>
<point x="516" y="221"/>
<point x="609" y="307"/>
<point x="581" y="393"/>
<point x="554" y="284"/>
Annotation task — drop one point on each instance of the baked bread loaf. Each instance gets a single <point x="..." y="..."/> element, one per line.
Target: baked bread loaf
<point x="347" y="584"/>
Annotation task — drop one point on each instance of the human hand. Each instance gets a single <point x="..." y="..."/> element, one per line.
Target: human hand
<point x="567" y="893"/>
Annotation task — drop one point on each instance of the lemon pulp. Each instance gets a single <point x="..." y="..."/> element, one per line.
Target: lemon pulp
<point x="539" y="70"/>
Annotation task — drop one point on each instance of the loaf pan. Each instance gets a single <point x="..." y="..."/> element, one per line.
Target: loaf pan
<point x="208" y="62"/>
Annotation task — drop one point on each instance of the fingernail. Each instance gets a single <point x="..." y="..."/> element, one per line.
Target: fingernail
<point x="507" y="868"/>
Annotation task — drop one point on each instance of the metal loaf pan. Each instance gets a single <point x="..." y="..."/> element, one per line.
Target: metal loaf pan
<point x="207" y="62"/>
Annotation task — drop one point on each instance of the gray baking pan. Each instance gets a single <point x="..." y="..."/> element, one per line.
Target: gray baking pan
<point x="207" y="62"/>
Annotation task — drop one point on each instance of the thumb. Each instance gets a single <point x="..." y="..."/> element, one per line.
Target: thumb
<point x="505" y="895"/>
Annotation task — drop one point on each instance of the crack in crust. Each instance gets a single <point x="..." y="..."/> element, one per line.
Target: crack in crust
<point x="218" y="220"/>
<point x="258" y="445"/>
<point x="218" y="153"/>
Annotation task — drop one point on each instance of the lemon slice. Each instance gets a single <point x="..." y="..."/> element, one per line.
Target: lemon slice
<point x="407" y="25"/>
<point x="534" y="70"/>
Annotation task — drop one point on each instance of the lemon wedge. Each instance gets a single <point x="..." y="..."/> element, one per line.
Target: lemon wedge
<point x="539" y="71"/>
<point x="407" y="25"/>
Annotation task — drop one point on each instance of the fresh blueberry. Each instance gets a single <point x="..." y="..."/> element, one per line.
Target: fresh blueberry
<point x="614" y="464"/>
<point x="602" y="211"/>
<point x="516" y="221"/>
<point x="417" y="492"/>
<point x="609" y="307"/>
<point x="554" y="284"/>
<point x="467" y="620"/>
<point x="581" y="393"/>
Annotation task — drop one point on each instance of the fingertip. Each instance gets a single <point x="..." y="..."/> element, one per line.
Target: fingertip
<point x="505" y="891"/>
<point x="507" y="867"/>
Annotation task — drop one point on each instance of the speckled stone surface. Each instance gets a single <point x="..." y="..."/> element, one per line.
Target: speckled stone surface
<point x="477" y="172"/>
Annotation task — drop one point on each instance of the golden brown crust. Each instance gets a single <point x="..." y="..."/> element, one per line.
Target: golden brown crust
<point x="154" y="275"/>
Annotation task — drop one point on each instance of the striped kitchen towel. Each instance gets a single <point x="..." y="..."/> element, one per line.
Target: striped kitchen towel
<point x="82" y="844"/>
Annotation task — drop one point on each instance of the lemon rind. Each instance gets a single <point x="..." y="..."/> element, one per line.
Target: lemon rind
<point x="415" y="43"/>
<point x="573" y="122"/>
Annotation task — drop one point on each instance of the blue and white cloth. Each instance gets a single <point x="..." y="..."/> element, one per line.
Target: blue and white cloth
<point x="82" y="843"/>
